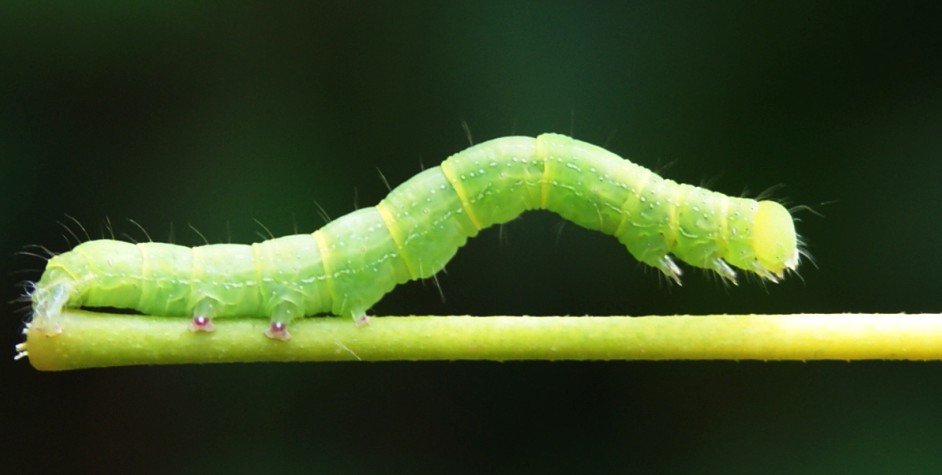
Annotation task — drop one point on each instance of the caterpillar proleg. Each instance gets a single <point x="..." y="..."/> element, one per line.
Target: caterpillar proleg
<point x="349" y="264"/>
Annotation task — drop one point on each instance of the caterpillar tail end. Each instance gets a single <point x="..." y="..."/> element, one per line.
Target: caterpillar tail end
<point x="47" y="305"/>
<point x="21" y="348"/>
<point x="48" y="301"/>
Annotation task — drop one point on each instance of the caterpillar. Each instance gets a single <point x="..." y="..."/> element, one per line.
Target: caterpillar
<point x="345" y="267"/>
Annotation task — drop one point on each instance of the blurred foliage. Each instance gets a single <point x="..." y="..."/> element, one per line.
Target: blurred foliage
<point x="215" y="114"/>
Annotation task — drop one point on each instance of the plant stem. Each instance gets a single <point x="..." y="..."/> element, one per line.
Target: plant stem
<point x="96" y="339"/>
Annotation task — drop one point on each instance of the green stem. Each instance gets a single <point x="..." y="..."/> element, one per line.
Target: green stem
<point x="95" y="339"/>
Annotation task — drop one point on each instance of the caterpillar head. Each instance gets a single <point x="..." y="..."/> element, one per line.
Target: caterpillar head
<point x="774" y="240"/>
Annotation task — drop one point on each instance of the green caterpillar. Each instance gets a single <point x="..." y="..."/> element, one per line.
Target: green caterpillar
<point x="349" y="264"/>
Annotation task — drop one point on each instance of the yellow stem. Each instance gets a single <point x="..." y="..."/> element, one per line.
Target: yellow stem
<point x="96" y="340"/>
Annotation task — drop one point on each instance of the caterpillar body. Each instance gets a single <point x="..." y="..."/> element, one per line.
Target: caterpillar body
<point x="349" y="264"/>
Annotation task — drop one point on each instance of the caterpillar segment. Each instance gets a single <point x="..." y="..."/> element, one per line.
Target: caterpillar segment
<point x="349" y="264"/>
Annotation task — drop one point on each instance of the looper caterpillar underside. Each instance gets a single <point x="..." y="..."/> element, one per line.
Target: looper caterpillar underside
<point x="349" y="264"/>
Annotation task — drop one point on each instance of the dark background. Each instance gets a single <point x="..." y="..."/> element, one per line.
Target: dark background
<point x="219" y="114"/>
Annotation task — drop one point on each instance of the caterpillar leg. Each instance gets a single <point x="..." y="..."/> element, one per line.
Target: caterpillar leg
<point x="203" y="315"/>
<point x="278" y="330"/>
<point x="284" y="314"/>
<point x="724" y="270"/>
<point x="669" y="268"/>
<point x="361" y="319"/>
<point x="767" y="274"/>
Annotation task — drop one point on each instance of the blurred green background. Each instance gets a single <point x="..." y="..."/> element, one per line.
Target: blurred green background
<point x="217" y="114"/>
